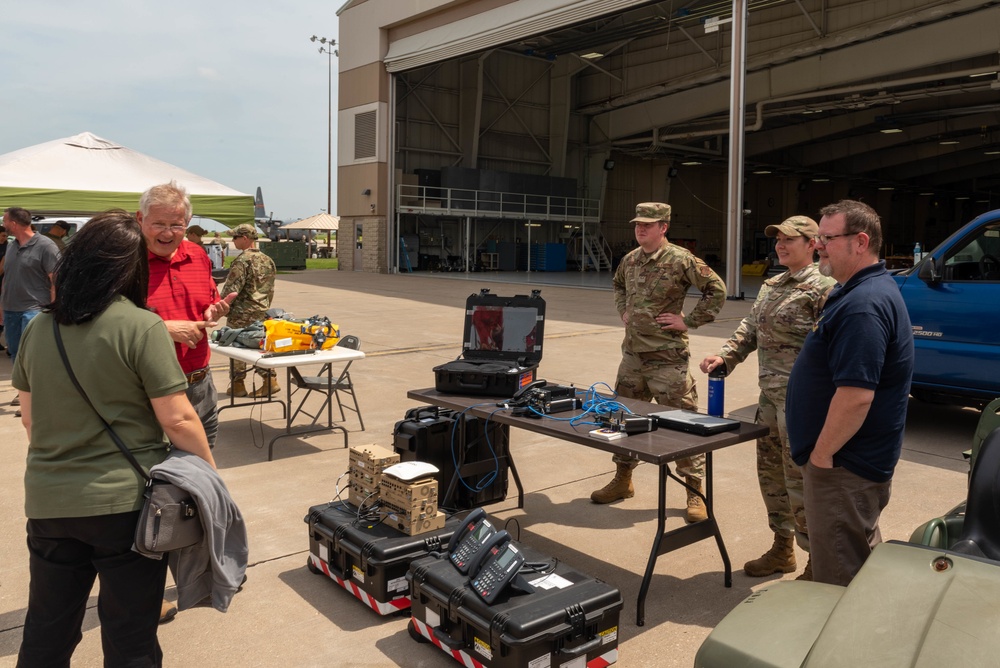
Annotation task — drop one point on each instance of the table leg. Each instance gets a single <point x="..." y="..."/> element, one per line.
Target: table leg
<point x="254" y="400"/>
<point x="661" y="517"/>
<point x="709" y="496"/>
<point x="683" y="536"/>
<point x="517" y="478"/>
<point x="329" y="426"/>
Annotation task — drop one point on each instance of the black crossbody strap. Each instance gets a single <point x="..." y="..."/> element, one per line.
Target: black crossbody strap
<point x="111" y="432"/>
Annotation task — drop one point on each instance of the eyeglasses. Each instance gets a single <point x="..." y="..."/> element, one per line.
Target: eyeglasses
<point x="827" y="238"/>
<point x="174" y="229"/>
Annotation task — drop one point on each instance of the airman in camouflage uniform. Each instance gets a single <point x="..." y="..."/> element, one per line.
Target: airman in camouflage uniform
<point x="650" y="286"/>
<point x="251" y="276"/>
<point x="784" y="312"/>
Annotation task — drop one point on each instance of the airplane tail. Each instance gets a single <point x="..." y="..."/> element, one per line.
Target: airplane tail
<point x="258" y="206"/>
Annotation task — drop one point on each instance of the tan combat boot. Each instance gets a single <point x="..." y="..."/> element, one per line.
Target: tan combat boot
<point x="269" y="387"/>
<point x="237" y="389"/>
<point x="696" y="511"/>
<point x="807" y="574"/>
<point x="779" y="559"/>
<point x="620" y="487"/>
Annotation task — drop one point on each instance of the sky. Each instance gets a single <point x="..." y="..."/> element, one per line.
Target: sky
<point x="232" y="91"/>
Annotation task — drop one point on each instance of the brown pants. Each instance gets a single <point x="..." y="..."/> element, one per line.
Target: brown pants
<point x="842" y="512"/>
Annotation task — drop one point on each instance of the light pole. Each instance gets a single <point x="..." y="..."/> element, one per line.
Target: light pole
<point x="328" y="48"/>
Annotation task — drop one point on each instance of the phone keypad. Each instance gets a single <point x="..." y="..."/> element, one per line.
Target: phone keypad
<point x="470" y="545"/>
<point x="494" y="576"/>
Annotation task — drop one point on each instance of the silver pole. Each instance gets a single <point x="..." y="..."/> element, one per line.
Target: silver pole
<point x="529" y="247"/>
<point x="734" y="220"/>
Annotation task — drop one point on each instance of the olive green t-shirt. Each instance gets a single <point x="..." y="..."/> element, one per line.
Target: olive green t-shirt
<point x="122" y="358"/>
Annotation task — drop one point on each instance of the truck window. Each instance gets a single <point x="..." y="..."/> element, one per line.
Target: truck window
<point x="978" y="259"/>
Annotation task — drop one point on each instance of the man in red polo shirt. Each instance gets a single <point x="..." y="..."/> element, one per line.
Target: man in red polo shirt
<point x="182" y="292"/>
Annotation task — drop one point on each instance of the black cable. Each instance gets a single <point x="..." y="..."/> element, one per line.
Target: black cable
<point x="543" y="567"/>
<point x="513" y="520"/>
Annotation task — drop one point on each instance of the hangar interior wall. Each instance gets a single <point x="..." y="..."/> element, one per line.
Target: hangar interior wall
<point x="825" y="78"/>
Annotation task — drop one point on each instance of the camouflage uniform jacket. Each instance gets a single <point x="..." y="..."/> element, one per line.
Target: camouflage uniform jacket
<point x="647" y="285"/>
<point x="251" y="277"/>
<point x="786" y="309"/>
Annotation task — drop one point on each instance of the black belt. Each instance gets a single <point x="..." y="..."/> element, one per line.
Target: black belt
<point x="196" y="376"/>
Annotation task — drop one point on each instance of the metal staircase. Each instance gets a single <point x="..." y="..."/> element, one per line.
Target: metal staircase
<point x="592" y="249"/>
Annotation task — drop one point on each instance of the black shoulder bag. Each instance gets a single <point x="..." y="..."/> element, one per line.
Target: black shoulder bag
<point x="169" y="517"/>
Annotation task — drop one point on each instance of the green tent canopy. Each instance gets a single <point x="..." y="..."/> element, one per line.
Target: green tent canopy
<point x="85" y="174"/>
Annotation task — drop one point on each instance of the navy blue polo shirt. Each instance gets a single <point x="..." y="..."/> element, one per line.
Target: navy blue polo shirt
<point x="863" y="338"/>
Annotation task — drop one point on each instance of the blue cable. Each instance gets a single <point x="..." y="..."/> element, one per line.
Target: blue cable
<point x="486" y="482"/>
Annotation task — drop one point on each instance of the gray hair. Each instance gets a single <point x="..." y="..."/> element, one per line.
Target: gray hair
<point x="166" y="194"/>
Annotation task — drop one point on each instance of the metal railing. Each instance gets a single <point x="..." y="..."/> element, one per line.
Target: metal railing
<point x="427" y="200"/>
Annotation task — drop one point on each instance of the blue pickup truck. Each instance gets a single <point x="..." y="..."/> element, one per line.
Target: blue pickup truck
<point x="953" y="297"/>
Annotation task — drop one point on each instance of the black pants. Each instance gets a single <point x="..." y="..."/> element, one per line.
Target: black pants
<point x="66" y="555"/>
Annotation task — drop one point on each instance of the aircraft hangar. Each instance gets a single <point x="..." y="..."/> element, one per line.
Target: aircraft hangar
<point x="518" y="135"/>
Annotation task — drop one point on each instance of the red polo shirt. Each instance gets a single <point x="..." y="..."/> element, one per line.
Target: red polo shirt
<point x="181" y="288"/>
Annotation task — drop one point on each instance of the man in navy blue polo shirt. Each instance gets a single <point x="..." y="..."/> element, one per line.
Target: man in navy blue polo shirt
<point x="848" y="393"/>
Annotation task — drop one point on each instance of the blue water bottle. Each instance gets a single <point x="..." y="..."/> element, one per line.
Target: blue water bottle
<point x="717" y="390"/>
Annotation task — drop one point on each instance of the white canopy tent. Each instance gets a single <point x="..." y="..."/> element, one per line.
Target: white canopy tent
<point x="321" y="221"/>
<point x="85" y="174"/>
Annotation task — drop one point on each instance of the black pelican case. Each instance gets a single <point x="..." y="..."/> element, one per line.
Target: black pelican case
<point x="369" y="559"/>
<point x="501" y="348"/>
<point x="569" y="620"/>
<point x="442" y="437"/>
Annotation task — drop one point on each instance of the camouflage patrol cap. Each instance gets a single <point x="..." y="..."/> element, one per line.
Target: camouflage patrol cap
<point x="796" y="226"/>
<point x="651" y="212"/>
<point x="245" y="230"/>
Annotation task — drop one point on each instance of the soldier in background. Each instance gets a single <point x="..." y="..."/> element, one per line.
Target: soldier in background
<point x="650" y="286"/>
<point x="783" y="314"/>
<point x="195" y="233"/>
<point x="58" y="233"/>
<point x="251" y="276"/>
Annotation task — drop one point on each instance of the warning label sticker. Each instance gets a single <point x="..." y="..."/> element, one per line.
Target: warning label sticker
<point x="358" y="573"/>
<point x="609" y="636"/>
<point x="482" y="647"/>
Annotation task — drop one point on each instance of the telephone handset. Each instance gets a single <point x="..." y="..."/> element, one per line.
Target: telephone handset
<point x="474" y="516"/>
<point x="519" y="395"/>
<point x="473" y="540"/>
<point x="485" y="549"/>
<point x="502" y="564"/>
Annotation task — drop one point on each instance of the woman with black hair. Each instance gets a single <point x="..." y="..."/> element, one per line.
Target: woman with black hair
<point x="82" y="497"/>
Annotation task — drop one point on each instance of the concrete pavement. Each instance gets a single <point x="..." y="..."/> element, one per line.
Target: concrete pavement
<point x="286" y="616"/>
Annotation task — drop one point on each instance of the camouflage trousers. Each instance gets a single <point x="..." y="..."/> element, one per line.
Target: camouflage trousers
<point x="238" y="370"/>
<point x="779" y="477"/>
<point x="661" y="375"/>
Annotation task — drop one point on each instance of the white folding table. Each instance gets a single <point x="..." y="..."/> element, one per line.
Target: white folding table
<point x="297" y="360"/>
